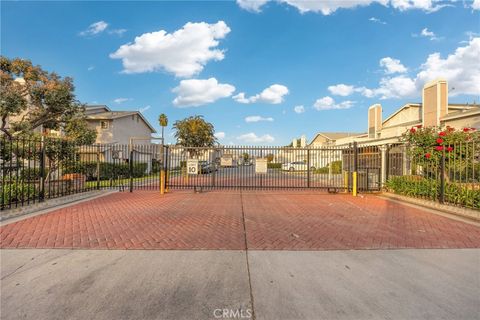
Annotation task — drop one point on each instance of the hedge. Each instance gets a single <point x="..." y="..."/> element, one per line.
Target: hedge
<point x="418" y="187"/>
<point x="336" y="168"/>
<point x="107" y="170"/>
<point x="13" y="192"/>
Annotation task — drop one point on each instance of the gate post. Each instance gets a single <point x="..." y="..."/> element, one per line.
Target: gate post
<point x="441" y="196"/>
<point x="165" y="165"/>
<point x="355" y="169"/>
<point x="98" y="167"/>
<point x="41" y="195"/>
<point x="308" y="168"/>
<point x="130" y="171"/>
<point x="383" y="164"/>
<point x="214" y="164"/>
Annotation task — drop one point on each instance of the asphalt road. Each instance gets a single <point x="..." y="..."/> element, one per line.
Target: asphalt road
<point x="135" y="284"/>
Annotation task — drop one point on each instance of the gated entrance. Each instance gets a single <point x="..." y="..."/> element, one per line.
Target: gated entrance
<point x="262" y="167"/>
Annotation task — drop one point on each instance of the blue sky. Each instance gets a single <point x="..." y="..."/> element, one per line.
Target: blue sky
<point x="246" y="66"/>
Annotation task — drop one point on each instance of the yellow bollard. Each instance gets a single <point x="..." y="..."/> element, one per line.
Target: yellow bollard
<point x="354" y="185"/>
<point x="162" y="181"/>
<point x="345" y="180"/>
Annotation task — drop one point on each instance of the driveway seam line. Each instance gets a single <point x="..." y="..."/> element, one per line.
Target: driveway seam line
<point x="246" y="255"/>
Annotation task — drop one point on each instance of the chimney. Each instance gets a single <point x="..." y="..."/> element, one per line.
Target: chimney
<point x="303" y="141"/>
<point x="294" y="142"/>
<point x="374" y="120"/>
<point x="434" y="102"/>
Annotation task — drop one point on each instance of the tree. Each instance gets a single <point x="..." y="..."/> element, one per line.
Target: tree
<point x="163" y="121"/>
<point x="194" y="131"/>
<point x="31" y="97"/>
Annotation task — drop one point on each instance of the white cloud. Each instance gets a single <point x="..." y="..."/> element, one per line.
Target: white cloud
<point x="251" y="5"/>
<point x="476" y="5"/>
<point x="121" y="100"/>
<point x="327" y="7"/>
<point x="461" y="69"/>
<point x="327" y="103"/>
<point x="118" y="32"/>
<point x="219" y="135"/>
<point x="95" y="28"/>
<point x="272" y="95"/>
<point x="90" y="68"/>
<point x="183" y="52"/>
<point x="299" y="109"/>
<point x="395" y="87"/>
<point x="425" y="5"/>
<point x="258" y="119"/>
<point x="197" y="92"/>
<point x="426" y="34"/>
<point x="376" y="20"/>
<point x="341" y="90"/>
<point x="392" y="65"/>
<point x="142" y="110"/>
<point x="253" y="138"/>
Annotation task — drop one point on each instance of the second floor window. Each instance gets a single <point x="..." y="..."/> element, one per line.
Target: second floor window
<point x="104" y="124"/>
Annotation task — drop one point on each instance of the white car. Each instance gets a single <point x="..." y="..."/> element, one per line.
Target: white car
<point x="296" y="166"/>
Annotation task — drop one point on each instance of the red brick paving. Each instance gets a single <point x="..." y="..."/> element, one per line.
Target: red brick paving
<point x="213" y="220"/>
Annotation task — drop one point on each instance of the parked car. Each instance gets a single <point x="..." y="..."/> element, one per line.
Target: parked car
<point x="296" y="166"/>
<point x="207" y="167"/>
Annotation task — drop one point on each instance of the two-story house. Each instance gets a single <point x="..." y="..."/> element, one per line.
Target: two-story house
<point x="120" y="133"/>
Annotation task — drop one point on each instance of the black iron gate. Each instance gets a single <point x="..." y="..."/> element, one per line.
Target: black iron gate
<point x="261" y="167"/>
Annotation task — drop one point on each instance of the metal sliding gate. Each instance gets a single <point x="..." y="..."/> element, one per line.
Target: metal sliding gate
<point x="262" y="167"/>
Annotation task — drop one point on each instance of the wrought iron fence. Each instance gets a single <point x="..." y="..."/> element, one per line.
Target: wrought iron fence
<point x="33" y="170"/>
<point x="448" y="174"/>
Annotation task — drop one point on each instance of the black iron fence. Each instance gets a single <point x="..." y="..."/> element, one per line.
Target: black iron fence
<point x="447" y="174"/>
<point x="33" y="170"/>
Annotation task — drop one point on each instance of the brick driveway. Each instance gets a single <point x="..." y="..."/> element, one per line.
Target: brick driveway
<point x="214" y="220"/>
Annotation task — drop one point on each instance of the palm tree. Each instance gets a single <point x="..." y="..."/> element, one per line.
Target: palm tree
<point x="163" y="121"/>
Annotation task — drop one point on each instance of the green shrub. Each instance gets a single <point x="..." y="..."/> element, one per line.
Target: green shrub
<point x="18" y="192"/>
<point x="418" y="187"/>
<point x="274" y="165"/>
<point x="336" y="168"/>
<point x="31" y="174"/>
<point x="107" y="170"/>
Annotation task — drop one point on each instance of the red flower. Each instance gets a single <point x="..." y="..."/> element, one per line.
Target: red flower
<point x="473" y="129"/>
<point x="439" y="140"/>
<point x="466" y="129"/>
<point x="449" y="149"/>
<point x="439" y="148"/>
<point x="419" y="126"/>
<point x="413" y="130"/>
<point x="428" y="155"/>
<point x="442" y="134"/>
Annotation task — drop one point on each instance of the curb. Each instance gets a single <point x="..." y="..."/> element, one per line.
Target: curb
<point x="17" y="214"/>
<point x="460" y="212"/>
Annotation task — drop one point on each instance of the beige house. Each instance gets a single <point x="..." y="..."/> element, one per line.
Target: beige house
<point x="120" y="135"/>
<point x="330" y="138"/>
<point x="433" y="111"/>
<point x="120" y="127"/>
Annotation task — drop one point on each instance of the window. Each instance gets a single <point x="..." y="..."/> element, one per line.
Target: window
<point x="104" y="124"/>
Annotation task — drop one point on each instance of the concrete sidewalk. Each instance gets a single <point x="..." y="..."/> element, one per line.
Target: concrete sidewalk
<point x="123" y="284"/>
